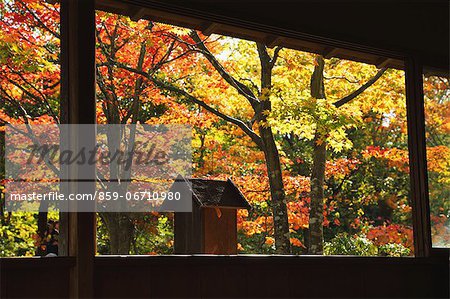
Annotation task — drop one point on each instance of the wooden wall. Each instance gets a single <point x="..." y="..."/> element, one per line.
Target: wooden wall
<point x="235" y="277"/>
<point x="35" y="277"/>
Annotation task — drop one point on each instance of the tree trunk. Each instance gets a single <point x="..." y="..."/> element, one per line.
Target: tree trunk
<point x="315" y="238"/>
<point x="279" y="209"/>
<point x="42" y="227"/>
<point x="120" y="230"/>
<point x="41" y="231"/>
<point x="119" y="225"/>
<point x="317" y="197"/>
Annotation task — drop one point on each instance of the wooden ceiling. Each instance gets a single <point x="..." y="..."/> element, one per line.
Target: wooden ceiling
<point x="380" y="32"/>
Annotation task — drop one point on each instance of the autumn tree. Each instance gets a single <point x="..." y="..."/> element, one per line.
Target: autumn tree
<point x="256" y="128"/>
<point x="29" y="80"/>
<point x="325" y="124"/>
<point x="127" y="98"/>
<point x="315" y="241"/>
<point x="29" y="72"/>
<point x="437" y="120"/>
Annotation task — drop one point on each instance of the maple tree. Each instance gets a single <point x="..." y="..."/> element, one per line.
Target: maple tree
<point x="125" y="98"/>
<point x="29" y="73"/>
<point x="326" y="122"/>
<point x="259" y="100"/>
<point x="437" y="119"/>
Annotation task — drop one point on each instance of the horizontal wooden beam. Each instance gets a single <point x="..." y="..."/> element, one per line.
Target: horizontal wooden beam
<point x="210" y="28"/>
<point x="384" y="62"/>
<point x="172" y="14"/>
<point x="330" y="52"/>
<point x="136" y="13"/>
<point x="272" y="41"/>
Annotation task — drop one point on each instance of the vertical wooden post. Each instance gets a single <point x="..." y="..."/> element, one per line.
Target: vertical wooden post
<point x="78" y="107"/>
<point x="417" y="157"/>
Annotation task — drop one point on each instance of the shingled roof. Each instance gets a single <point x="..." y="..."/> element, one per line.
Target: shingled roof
<point x="215" y="193"/>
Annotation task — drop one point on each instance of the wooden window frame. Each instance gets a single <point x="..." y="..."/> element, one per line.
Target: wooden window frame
<point x="78" y="106"/>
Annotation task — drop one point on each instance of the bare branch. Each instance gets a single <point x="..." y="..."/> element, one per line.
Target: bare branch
<point x="262" y="51"/>
<point x="360" y="90"/>
<point x="39" y="21"/>
<point x="167" y="54"/>
<point x="253" y="84"/>
<point x="175" y="58"/>
<point x="36" y="98"/>
<point x="138" y="85"/>
<point x="180" y="92"/>
<point x="276" y="54"/>
<point x="30" y="134"/>
<point x="43" y="97"/>
<point x="340" y="77"/>
<point x="241" y="88"/>
<point x="189" y="97"/>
